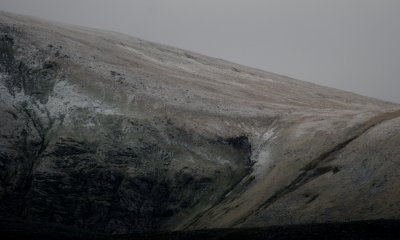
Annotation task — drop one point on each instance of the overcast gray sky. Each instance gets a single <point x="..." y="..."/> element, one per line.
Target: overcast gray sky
<point x="348" y="44"/>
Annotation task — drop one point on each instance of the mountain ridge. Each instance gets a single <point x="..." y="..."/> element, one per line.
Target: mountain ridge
<point x="106" y="132"/>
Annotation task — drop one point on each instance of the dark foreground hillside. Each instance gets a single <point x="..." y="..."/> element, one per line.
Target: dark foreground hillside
<point x="364" y="230"/>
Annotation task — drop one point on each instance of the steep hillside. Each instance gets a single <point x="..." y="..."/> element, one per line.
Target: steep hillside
<point x="105" y="132"/>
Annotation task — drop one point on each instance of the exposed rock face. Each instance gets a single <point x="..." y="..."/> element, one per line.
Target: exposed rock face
<point x="106" y="132"/>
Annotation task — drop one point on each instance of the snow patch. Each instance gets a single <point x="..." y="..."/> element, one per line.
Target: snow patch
<point x="262" y="155"/>
<point x="66" y="98"/>
<point x="141" y="54"/>
<point x="269" y="135"/>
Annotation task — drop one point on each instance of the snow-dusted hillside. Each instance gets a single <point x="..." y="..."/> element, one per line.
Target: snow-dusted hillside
<point x="107" y="132"/>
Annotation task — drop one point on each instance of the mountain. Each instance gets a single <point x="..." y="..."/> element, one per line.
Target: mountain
<point x="105" y="132"/>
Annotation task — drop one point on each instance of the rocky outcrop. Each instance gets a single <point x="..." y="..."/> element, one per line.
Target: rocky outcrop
<point x="105" y="132"/>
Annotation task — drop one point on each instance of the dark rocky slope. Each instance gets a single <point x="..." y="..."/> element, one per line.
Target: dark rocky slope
<point x="109" y="133"/>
